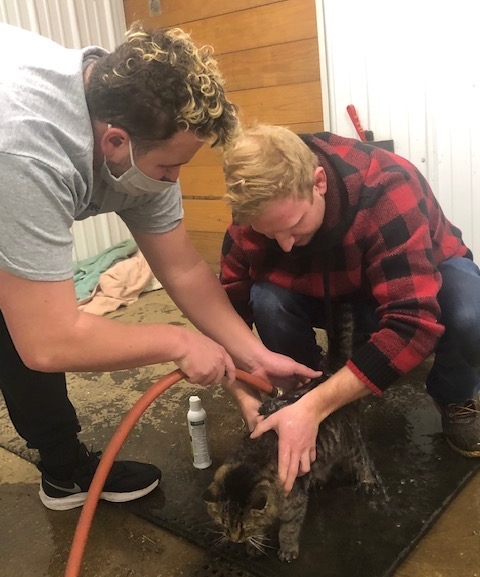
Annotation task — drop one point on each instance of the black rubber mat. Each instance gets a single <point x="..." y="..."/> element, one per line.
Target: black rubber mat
<point x="343" y="535"/>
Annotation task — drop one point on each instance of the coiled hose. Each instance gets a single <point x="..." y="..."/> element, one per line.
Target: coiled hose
<point x="86" y="516"/>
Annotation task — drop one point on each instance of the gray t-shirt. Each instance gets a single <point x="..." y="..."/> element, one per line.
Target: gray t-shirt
<point x="46" y="160"/>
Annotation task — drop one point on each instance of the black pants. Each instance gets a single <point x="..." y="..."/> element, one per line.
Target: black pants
<point x="38" y="405"/>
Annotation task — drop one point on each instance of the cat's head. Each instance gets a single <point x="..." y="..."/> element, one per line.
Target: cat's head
<point x="245" y="505"/>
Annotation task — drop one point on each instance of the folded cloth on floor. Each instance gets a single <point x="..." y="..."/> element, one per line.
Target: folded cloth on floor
<point x="87" y="272"/>
<point x="121" y="285"/>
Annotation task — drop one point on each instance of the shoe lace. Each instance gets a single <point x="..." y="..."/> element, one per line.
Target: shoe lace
<point x="465" y="410"/>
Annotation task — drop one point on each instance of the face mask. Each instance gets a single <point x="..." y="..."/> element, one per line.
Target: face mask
<point x="134" y="182"/>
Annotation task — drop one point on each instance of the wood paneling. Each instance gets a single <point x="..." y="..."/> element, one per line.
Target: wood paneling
<point x="267" y="51"/>
<point x="181" y="12"/>
<point x="206" y="156"/>
<point x="206" y="221"/>
<point x="206" y="215"/>
<point x="202" y="181"/>
<point x="266" y="66"/>
<point x="269" y="25"/>
<point x="307" y="127"/>
<point x="291" y="104"/>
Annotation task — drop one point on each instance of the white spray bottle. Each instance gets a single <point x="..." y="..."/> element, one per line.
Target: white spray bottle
<point x="197" y="428"/>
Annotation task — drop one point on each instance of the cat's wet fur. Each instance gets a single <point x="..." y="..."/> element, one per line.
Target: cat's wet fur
<point x="246" y="499"/>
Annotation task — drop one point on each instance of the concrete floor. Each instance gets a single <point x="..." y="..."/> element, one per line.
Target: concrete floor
<point x="36" y="542"/>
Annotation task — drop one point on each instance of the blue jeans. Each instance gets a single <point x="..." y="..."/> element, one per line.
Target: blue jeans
<point x="285" y="322"/>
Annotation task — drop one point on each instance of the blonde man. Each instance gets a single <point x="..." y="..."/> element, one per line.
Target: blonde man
<point x="319" y="218"/>
<point x="86" y="132"/>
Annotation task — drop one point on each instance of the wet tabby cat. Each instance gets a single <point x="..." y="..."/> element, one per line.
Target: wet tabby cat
<point x="245" y="497"/>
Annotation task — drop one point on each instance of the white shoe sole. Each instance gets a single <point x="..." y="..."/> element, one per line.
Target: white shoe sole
<point x="78" y="499"/>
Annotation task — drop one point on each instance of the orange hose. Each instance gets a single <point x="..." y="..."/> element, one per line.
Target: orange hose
<point x="256" y="382"/>
<point x="88" y="510"/>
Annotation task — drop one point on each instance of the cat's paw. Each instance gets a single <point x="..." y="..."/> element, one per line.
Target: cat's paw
<point x="288" y="555"/>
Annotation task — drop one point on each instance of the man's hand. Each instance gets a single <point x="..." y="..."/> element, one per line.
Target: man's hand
<point x="296" y="426"/>
<point x="282" y="371"/>
<point x="204" y="361"/>
<point x="278" y="370"/>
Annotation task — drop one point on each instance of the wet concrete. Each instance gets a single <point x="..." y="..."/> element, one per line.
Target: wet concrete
<point x="36" y="542"/>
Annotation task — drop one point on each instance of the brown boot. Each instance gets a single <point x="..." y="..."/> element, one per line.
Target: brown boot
<point x="461" y="426"/>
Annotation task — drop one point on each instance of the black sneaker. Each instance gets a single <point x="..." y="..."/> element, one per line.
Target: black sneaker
<point x="126" y="481"/>
<point x="461" y="426"/>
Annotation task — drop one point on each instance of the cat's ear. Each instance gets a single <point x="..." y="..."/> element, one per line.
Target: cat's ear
<point x="258" y="503"/>
<point x="259" y="498"/>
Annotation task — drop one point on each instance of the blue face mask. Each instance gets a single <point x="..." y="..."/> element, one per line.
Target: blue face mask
<point x="133" y="181"/>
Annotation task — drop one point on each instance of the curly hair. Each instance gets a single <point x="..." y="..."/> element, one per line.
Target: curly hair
<point x="266" y="163"/>
<point x="157" y="83"/>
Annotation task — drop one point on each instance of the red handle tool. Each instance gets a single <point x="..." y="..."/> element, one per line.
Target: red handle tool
<point x="356" y="122"/>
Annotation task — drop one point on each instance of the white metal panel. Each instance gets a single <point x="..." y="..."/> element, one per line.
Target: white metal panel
<point x="411" y="69"/>
<point x="75" y="24"/>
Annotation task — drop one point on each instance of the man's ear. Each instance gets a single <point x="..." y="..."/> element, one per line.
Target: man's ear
<point x="114" y="143"/>
<point x="320" y="180"/>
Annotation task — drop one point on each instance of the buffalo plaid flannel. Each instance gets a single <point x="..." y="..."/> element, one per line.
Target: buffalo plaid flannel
<point x="383" y="236"/>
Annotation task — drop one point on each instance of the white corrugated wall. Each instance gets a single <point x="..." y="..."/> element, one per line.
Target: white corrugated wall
<point x="412" y="70"/>
<point x="75" y="24"/>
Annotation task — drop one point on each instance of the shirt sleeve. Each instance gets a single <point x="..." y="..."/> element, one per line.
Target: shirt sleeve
<point x="234" y="273"/>
<point x="404" y="280"/>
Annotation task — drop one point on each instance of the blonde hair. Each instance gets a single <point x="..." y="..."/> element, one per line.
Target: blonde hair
<point x="266" y="163"/>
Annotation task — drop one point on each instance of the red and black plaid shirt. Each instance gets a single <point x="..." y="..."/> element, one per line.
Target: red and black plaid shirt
<point x="382" y="238"/>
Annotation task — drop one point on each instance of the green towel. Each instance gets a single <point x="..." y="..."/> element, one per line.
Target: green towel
<point x="86" y="273"/>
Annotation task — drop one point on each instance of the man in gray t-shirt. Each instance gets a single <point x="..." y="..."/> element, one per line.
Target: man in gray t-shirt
<point x="86" y="132"/>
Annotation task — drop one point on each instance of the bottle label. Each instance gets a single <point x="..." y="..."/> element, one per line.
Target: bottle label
<point x="199" y="444"/>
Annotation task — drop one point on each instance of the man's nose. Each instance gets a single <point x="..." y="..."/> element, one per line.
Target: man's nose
<point x="285" y="242"/>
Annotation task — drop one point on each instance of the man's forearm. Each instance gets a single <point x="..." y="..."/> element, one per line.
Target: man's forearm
<point x="340" y="389"/>
<point x="207" y="306"/>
